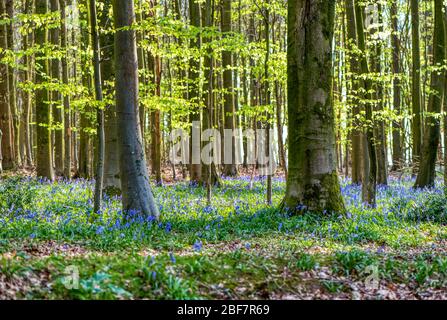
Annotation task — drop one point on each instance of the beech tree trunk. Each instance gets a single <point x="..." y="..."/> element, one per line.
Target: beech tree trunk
<point x="416" y="82"/>
<point x="5" y="111"/>
<point x="65" y="79"/>
<point x="312" y="176"/>
<point x="44" y="165"/>
<point x="112" y="182"/>
<point x="356" y="133"/>
<point x="136" y="190"/>
<point x="230" y="169"/>
<point x="427" y="173"/>
<point x="397" y="145"/>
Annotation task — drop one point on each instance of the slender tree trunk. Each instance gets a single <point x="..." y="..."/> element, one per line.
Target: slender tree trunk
<point x="55" y="36"/>
<point x="137" y="194"/>
<point x="356" y="133"/>
<point x="84" y="167"/>
<point x="427" y="173"/>
<point x="397" y="146"/>
<point x="369" y="179"/>
<point x="230" y="169"/>
<point x="416" y="83"/>
<point x="43" y="159"/>
<point x="65" y="80"/>
<point x="380" y="137"/>
<point x="267" y="94"/>
<point x="5" y="111"/>
<point x="312" y="177"/>
<point x="12" y="75"/>
<point x="100" y="111"/>
<point x="194" y="95"/>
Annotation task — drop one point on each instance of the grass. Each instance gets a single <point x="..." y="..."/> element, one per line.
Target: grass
<point x="237" y="248"/>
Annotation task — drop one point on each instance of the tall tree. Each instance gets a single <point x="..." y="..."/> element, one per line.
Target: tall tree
<point x="416" y="82"/>
<point x="427" y="173"/>
<point x="136" y="190"/>
<point x="112" y="183"/>
<point x="5" y="110"/>
<point x="65" y="80"/>
<point x="12" y="75"/>
<point x="230" y="169"/>
<point x="354" y="68"/>
<point x="55" y="36"/>
<point x="194" y="92"/>
<point x="44" y="164"/>
<point x="369" y="160"/>
<point x="312" y="177"/>
<point x="380" y="137"/>
<point x="397" y="145"/>
<point x="99" y="174"/>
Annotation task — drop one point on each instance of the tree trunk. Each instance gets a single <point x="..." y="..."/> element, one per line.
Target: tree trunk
<point x="43" y="154"/>
<point x="112" y="183"/>
<point x="65" y="79"/>
<point x="380" y="137"/>
<point x="55" y="36"/>
<point x="136" y="190"/>
<point x="397" y="147"/>
<point x="356" y="133"/>
<point x="416" y="83"/>
<point x="99" y="174"/>
<point x="5" y="111"/>
<point x="12" y="75"/>
<point x="370" y="162"/>
<point x="312" y="177"/>
<point x="230" y="168"/>
<point x="194" y="96"/>
<point x="427" y="173"/>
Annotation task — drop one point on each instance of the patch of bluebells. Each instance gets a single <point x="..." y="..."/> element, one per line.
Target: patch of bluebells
<point x="64" y="207"/>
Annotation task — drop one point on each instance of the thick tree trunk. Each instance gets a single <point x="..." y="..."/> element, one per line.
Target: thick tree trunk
<point x="312" y="177"/>
<point x="43" y="154"/>
<point x="137" y="194"/>
<point x="112" y="183"/>
<point x="427" y="173"/>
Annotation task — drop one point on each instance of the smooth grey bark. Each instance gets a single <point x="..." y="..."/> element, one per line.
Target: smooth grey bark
<point x="112" y="182"/>
<point x="136" y="189"/>
<point x="312" y="182"/>
<point x="99" y="174"/>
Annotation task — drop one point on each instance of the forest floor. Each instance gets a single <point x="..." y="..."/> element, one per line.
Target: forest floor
<point x="238" y="248"/>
